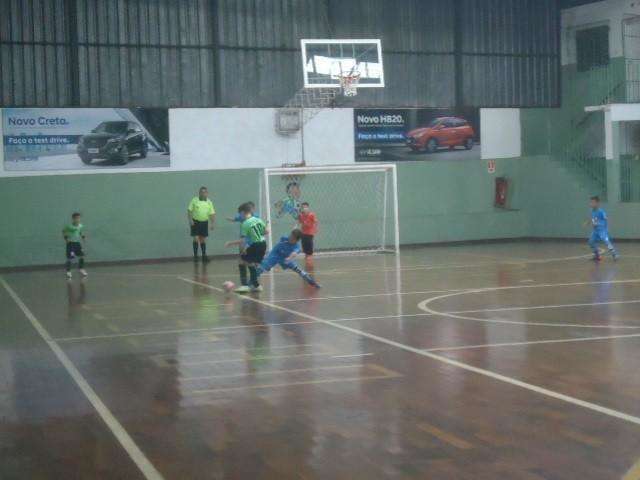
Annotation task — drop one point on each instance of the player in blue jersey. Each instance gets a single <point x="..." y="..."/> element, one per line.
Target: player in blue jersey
<point x="239" y="217"/>
<point x="283" y="254"/>
<point x="289" y="205"/>
<point x="600" y="233"/>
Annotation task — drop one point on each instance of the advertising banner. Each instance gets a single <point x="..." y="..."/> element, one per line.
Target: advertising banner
<point x="44" y="139"/>
<point x="389" y="135"/>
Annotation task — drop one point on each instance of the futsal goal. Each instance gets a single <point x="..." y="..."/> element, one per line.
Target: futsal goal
<point x="356" y="206"/>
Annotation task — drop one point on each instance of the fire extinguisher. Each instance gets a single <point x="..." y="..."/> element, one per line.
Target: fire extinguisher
<point x="502" y="188"/>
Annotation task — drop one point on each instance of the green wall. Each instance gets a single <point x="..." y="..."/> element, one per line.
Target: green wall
<point x="143" y="215"/>
<point x="555" y="197"/>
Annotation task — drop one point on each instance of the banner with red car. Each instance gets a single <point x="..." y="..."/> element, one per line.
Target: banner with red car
<point x="392" y="135"/>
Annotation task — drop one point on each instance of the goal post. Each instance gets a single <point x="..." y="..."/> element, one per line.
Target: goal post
<point x="356" y="206"/>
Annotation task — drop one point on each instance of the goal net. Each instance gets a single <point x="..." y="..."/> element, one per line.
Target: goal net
<point x="356" y="206"/>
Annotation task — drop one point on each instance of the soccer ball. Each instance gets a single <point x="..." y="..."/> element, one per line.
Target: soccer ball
<point x="228" y="286"/>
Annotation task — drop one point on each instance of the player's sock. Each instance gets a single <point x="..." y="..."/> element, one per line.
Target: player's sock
<point x="203" y="249"/>
<point x="67" y="265"/>
<point x="81" y="263"/>
<point x="307" y="278"/>
<point x="195" y="249"/>
<point x="243" y="274"/>
<point x="253" y="276"/>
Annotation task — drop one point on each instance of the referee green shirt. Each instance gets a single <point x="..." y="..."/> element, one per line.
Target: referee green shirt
<point x="201" y="210"/>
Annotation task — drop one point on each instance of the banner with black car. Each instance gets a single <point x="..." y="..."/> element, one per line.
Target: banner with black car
<point x="390" y="135"/>
<point x="43" y="139"/>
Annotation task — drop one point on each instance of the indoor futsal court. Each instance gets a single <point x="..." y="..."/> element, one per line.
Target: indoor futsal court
<point x="320" y="239"/>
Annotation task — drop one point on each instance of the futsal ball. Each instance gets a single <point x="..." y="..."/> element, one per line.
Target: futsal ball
<point x="228" y="286"/>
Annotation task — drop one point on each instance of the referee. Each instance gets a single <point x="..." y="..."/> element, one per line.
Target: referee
<point x="202" y="216"/>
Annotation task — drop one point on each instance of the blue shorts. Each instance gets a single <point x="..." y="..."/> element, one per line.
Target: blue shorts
<point x="274" y="259"/>
<point x="599" y="236"/>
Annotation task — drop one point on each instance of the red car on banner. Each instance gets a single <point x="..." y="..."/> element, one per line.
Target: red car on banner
<point x="442" y="132"/>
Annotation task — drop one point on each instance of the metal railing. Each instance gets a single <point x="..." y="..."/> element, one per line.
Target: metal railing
<point x="630" y="178"/>
<point x="590" y="168"/>
<point x="632" y="81"/>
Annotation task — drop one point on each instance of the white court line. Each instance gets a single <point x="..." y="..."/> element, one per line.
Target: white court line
<point x="532" y="342"/>
<point x="506" y="309"/>
<point x="487" y="373"/>
<point x="364" y="295"/>
<point x="424" y="305"/>
<point x="173" y="332"/>
<point x="134" y="452"/>
<point x="354" y="355"/>
<point x="249" y="358"/>
<point x="542" y="307"/>
<point x="270" y="372"/>
<point x="380" y="317"/>
<point x="230" y="350"/>
<point x="374" y="269"/>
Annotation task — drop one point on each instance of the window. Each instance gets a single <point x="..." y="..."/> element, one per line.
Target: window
<point x="592" y="48"/>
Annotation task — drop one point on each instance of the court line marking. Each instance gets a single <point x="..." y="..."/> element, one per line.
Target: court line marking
<point x="354" y="355"/>
<point x="271" y="372"/>
<point x="233" y="350"/>
<point x="509" y="309"/>
<point x="127" y="443"/>
<point x="448" y="361"/>
<point x="333" y="271"/>
<point x="364" y="295"/>
<point x="289" y="384"/>
<point x="249" y="358"/>
<point x="542" y="307"/>
<point x="380" y="294"/>
<point x="532" y="342"/>
<point x="174" y="331"/>
<point x="424" y="305"/>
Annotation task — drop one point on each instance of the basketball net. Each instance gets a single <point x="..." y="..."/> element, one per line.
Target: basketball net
<point x="349" y="84"/>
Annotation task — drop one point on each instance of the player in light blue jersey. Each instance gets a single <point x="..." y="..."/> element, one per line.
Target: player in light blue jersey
<point x="600" y="233"/>
<point x="239" y="217"/>
<point x="283" y="254"/>
<point x="289" y="205"/>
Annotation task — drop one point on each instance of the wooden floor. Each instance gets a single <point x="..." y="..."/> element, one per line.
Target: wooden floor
<point x="499" y="361"/>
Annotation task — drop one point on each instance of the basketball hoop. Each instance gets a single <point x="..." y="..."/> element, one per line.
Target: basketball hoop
<point x="349" y="84"/>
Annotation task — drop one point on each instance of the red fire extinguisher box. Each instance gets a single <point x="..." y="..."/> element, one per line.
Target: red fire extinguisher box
<point x="502" y="188"/>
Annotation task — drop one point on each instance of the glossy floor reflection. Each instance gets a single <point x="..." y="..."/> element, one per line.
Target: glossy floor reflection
<point x="509" y="360"/>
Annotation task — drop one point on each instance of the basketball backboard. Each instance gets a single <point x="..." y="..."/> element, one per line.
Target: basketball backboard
<point x="324" y="61"/>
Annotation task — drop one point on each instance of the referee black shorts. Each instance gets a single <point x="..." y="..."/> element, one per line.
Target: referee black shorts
<point x="254" y="252"/>
<point x="200" y="229"/>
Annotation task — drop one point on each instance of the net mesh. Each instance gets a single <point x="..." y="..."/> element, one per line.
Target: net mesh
<point x="349" y="84"/>
<point x="354" y="208"/>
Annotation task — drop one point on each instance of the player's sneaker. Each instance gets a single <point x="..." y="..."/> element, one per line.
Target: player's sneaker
<point x="83" y="272"/>
<point x="596" y="258"/>
<point x="312" y="281"/>
<point x="69" y="275"/>
<point x="257" y="288"/>
<point x="615" y="256"/>
<point x="242" y="289"/>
